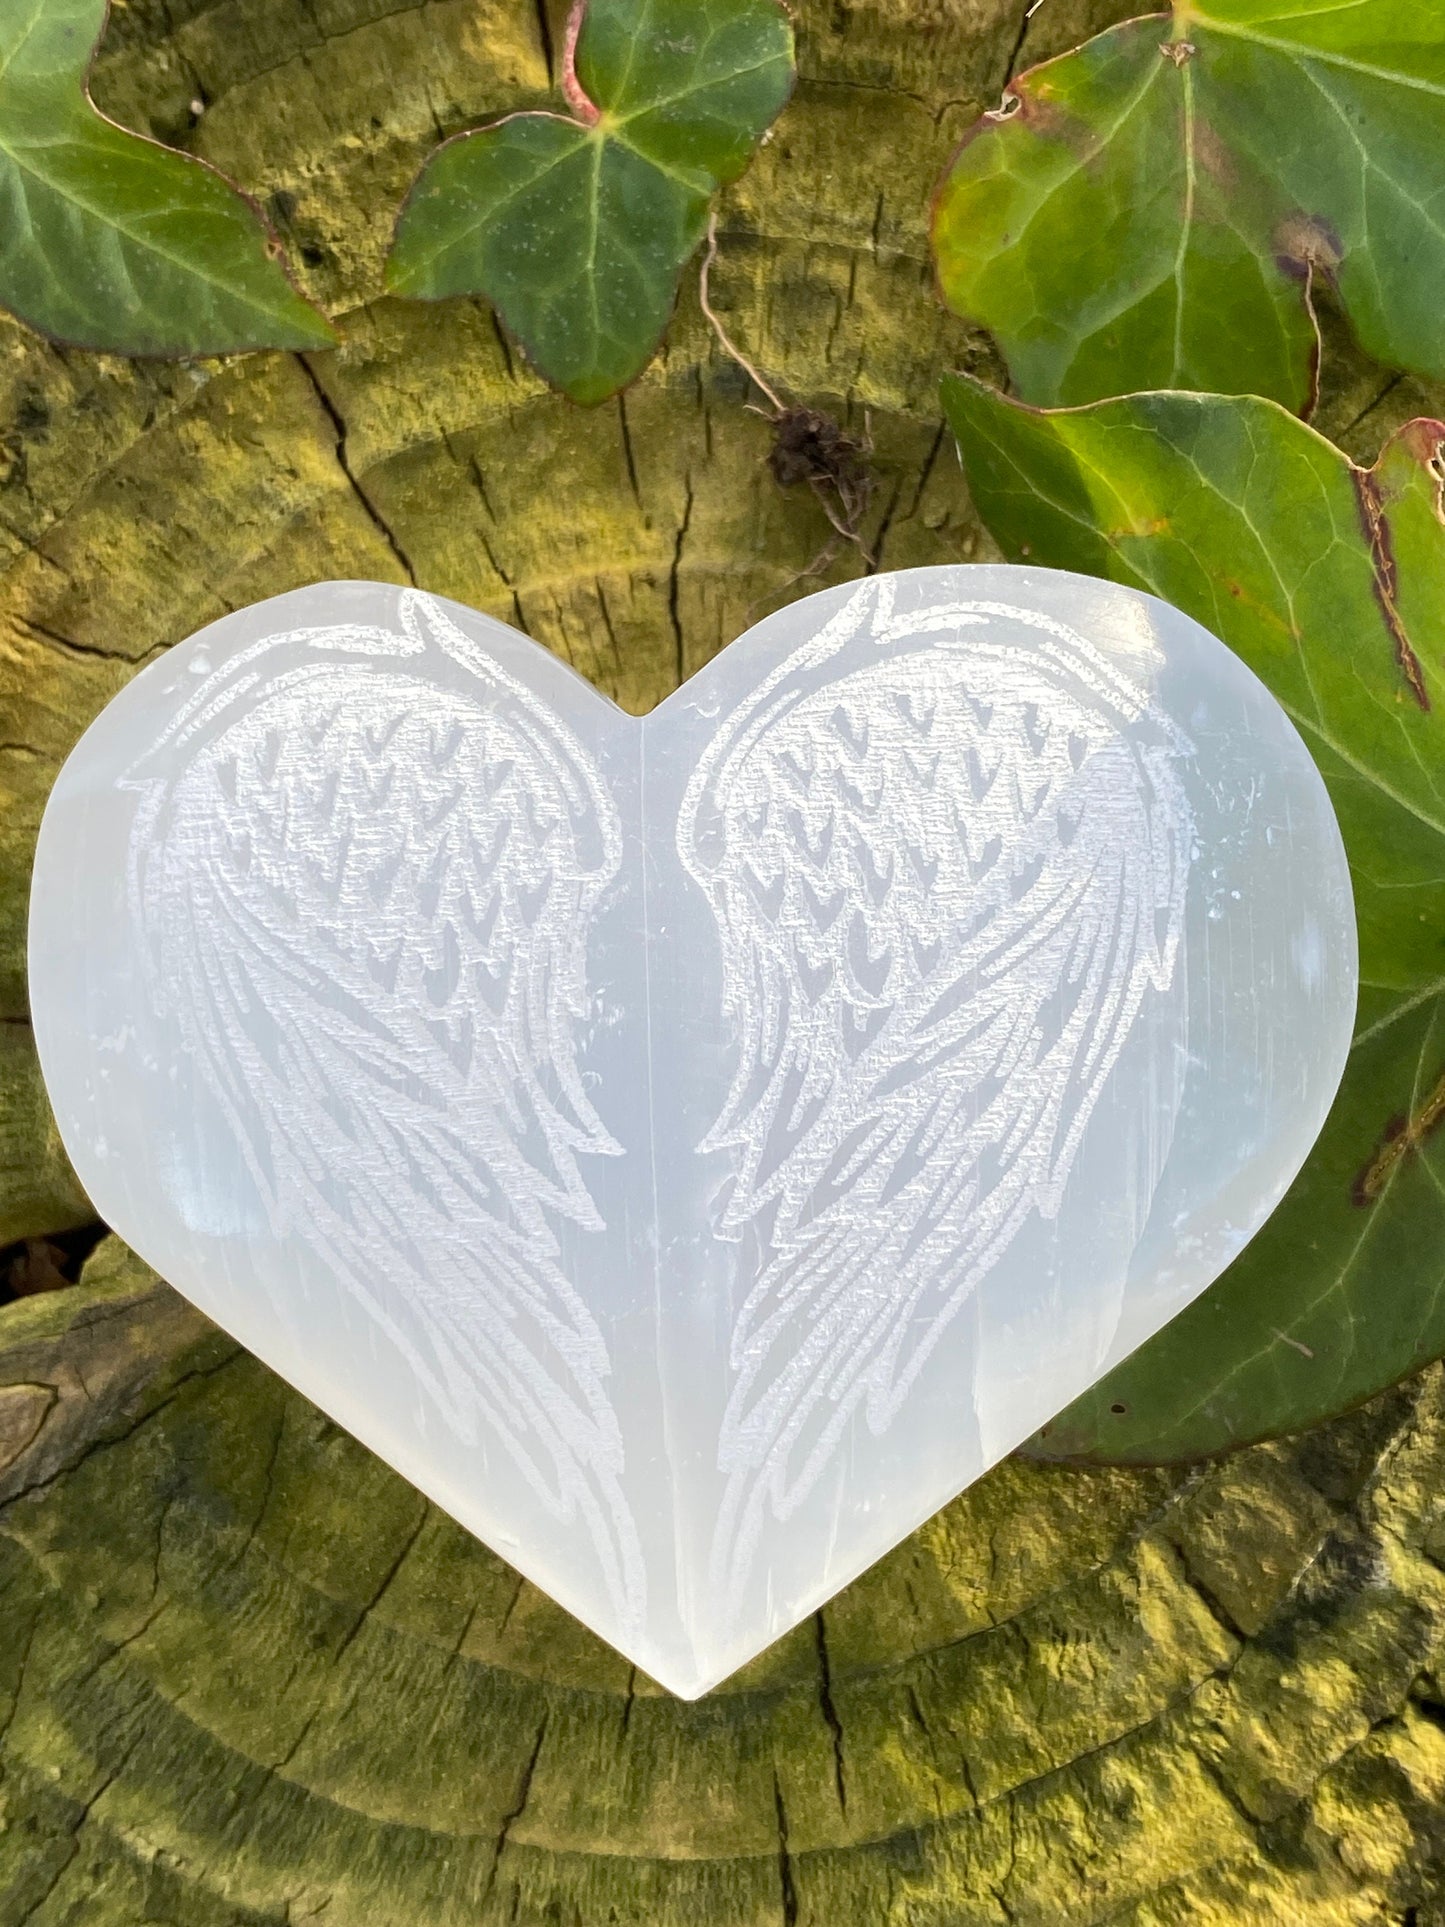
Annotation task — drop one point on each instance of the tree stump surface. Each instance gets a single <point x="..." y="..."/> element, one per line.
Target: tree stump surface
<point x="247" y="1675"/>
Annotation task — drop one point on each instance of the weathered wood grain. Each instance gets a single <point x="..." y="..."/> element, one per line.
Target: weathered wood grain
<point x="247" y="1675"/>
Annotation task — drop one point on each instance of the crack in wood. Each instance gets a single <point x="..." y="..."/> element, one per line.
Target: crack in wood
<point x="343" y="462"/>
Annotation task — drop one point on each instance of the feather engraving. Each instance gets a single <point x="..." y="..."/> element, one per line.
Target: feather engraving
<point x="945" y="875"/>
<point x="366" y="891"/>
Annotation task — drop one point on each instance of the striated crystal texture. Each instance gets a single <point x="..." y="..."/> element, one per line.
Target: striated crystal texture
<point x="692" y="1149"/>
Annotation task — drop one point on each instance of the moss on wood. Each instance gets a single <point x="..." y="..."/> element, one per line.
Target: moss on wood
<point x="246" y="1674"/>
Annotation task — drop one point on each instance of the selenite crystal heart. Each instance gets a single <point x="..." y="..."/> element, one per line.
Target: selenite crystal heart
<point x="692" y="1149"/>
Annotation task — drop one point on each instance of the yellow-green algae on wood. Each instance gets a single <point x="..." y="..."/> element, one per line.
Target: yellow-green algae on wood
<point x="247" y="1675"/>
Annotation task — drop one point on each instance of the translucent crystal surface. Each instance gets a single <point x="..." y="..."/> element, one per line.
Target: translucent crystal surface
<point x="691" y="1150"/>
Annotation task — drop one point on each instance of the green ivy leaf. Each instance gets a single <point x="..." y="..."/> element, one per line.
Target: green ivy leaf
<point x="578" y="230"/>
<point x="1153" y="209"/>
<point x="111" y="241"/>
<point x="1329" y="581"/>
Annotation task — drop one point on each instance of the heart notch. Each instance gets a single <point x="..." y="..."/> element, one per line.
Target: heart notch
<point x="693" y="1149"/>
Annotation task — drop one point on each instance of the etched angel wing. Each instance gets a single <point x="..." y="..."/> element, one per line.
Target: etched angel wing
<point x="367" y="897"/>
<point x="944" y="882"/>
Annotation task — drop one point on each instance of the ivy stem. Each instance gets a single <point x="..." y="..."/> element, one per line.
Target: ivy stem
<point x="729" y="345"/>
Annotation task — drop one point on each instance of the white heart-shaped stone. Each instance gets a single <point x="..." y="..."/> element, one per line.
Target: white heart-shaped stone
<point x="693" y="1149"/>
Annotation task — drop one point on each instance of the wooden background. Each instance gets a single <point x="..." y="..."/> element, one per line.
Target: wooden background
<point x="247" y="1675"/>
